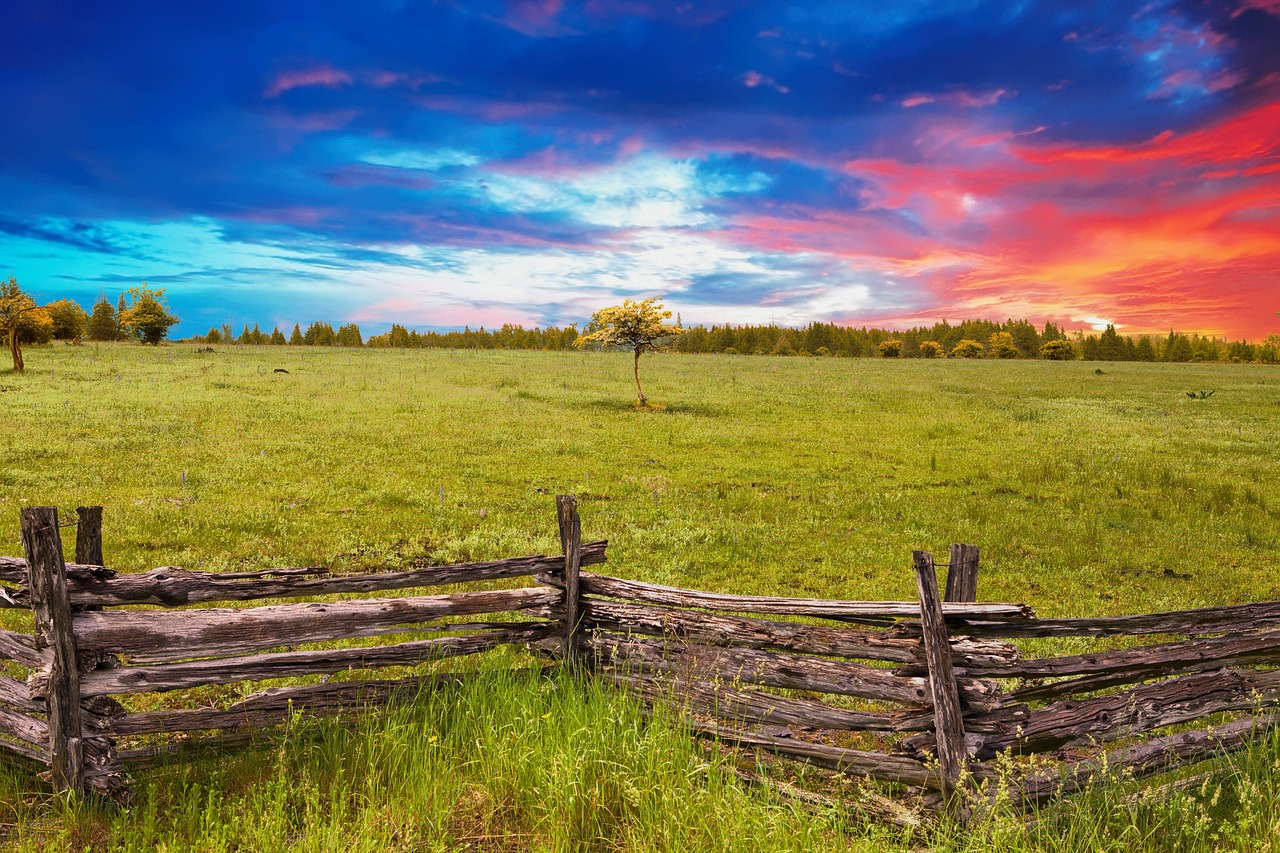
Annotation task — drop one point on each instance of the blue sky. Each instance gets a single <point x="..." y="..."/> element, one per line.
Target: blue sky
<point x="441" y="164"/>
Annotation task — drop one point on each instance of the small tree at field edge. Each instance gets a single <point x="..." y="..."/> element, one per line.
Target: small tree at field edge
<point x="635" y="326"/>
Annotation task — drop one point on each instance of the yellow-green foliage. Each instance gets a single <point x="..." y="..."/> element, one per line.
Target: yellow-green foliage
<point x="634" y="326"/>
<point x="930" y="349"/>
<point x="147" y="315"/>
<point x="1001" y="345"/>
<point x="1059" y="350"/>
<point x="967" y="349"/>
<point x="890" y="349"/>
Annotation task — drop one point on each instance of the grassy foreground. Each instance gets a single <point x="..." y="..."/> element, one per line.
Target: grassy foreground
<point x="1089" y="492"/>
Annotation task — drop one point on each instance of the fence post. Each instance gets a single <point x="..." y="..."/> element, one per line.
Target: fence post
<point x="962" y="574"/>
<point x="571" y="542"/>
<point x="89" y="536"/>
<point x="948" y="721"/>
<point x="47" y="576"/>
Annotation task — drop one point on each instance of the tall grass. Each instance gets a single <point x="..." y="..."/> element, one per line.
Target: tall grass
<point x="503" y="763"/>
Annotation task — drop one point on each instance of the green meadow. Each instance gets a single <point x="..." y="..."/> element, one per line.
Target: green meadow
<point x="1092" y="488"/>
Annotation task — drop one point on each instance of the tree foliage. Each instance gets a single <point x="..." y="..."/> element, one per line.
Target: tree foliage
<point x="890" y="349"/>
<point x="21" y="319"/>
<point x="103" y="323"/>
<point x="146" y="315"/>
<point x="70" y="321"/>
<point x="634" y="326"/>
<point x="1058" y="350"/>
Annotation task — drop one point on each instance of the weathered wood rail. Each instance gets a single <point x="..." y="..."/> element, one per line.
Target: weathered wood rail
<point x="919" y="694"/>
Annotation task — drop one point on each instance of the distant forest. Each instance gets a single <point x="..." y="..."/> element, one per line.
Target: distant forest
<point x="969" y="339"/>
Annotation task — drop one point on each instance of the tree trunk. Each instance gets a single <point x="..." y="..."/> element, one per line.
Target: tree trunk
<point x="16" y="349"/>
<point x="639" y="390"/>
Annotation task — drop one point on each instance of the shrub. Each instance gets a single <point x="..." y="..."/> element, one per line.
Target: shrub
<point x="931" y="349"/>
<point x="1058" y="350"/>
<point x="890" y="349"/>
<point x="967" y="349"/>
<point x="1001" y="345"/>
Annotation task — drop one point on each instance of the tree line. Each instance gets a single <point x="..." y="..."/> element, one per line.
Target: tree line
<point x="969" y="339"/>
<point x="142" y="314"/>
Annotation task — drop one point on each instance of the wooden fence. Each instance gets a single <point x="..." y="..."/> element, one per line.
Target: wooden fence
<point x="922" y="694"/>
<point x="88" y="649"/>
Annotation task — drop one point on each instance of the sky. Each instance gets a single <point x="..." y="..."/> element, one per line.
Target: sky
<point x="436" y="164"/>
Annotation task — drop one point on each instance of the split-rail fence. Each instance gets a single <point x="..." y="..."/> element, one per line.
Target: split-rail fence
<point x="922" y="695"/>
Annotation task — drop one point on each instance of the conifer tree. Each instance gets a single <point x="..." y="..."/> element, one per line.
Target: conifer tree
<point x="296" y="338"/>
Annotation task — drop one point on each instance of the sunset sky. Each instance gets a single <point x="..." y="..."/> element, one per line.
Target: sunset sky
<point x="445" y="163"/>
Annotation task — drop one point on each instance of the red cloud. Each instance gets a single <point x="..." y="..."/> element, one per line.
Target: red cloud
<point x="1180" y="231"/>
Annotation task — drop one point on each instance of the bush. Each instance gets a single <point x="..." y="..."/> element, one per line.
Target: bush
<point x="967" y="349"/>
<point x="930" y="349"/>
<point x="890" y="349"/>
<point x="1001" y="345"/>
<point x="1058" y="350"/>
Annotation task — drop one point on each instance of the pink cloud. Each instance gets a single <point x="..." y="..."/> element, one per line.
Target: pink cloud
<point x="958" y="98"/>
<point x="320" y="75"/>
<point x="534" y="18"/>
<point x="752" y="79"/>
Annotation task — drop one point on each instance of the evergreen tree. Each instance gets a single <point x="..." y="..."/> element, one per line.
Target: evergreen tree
<point x="122" y="333"/>
<point x="1144" y="351"/>
<point x="1110" y="347"/>
<point x="277" y="336"/>
<point x="349" y="336"/>
<point x="103" y="325"/>
<point x="296" y="338"/>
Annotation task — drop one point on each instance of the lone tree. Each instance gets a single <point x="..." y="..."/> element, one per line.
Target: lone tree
<point x="147" y="316"/>
<point x="20" y="316"/>
<point x="634" y="326"/>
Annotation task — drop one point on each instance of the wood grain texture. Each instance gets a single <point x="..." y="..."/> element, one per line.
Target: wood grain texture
<point x="149" y="636"/>
<point x="648" y="593"/>
<point x="1149" y="758"/>
<point x="177" y="676"/>
<point x="876" y="765"/>
<point x="1204" y="620"/>
<point x="943" y="688"/>
<point x="571" y="544"/>
<point x="962" y="573"/>
<point x="1139" y="709"/>
<point x="22" y="649"/>
<point x="278" y="704"/>
<point x="52" y="606"/>
<point x="772" y="669"/>
<point x="171" y="586"/>
<point x="89" y="535"/>
<point x="716" y="629"/>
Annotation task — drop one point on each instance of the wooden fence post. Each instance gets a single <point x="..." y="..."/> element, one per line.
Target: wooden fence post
<point x="962" y="574"/>
<point x="948" y="721"/>
<point x="52" y="605"/>
<point x="571" y="542"/>
<point x="89" y="536"/>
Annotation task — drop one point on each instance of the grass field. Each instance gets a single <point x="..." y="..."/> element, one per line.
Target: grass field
<point x="1092" y="488"/>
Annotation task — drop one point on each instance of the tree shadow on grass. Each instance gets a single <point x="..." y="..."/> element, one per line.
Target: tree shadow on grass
<point x="613" y="404"/>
